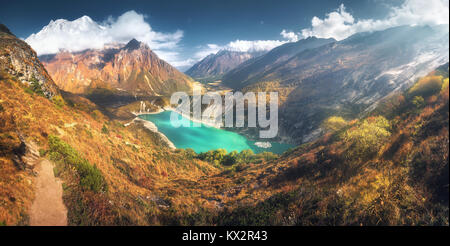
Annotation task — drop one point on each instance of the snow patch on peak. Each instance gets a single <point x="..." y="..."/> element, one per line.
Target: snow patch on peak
<point x="84" y="33"/>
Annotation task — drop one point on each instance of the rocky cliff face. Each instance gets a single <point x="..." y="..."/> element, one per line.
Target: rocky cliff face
<point x="343" y="78"/>
<point x="133" y="69"/>
<point x="215" y="65"/>
<point x="17" y="58"/>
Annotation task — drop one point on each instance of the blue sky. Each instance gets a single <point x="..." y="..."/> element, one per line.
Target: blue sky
<point x="182" y="32"/>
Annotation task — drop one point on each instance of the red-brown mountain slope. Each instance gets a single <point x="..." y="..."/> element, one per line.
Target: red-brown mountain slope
<point x="133" y="68"/>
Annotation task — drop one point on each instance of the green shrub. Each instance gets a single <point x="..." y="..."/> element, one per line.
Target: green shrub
<point x="42" y="152"/>
<point x="418" y="101"/>
<point x="36" y="87"/>
<point x="105" y="129"/>
<point x="90" y="176"/>
<point x="220" y="157"/>
<point x="28" y="90"/>
<point x="267" y="156"/>
<point x="229" y="159"/>
<point x="58" y="101"/>
<point x="213" y="156"/>
<point x="245" y="156"/>
<point x="190" y="153"/>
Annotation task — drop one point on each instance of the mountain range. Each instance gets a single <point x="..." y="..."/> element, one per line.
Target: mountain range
<point x="381" y="157"/>
<point x="214" y="66"/>
<point x="271" y="60"/>
<point x="316" y="78"/>
<point x="131" y="69"/>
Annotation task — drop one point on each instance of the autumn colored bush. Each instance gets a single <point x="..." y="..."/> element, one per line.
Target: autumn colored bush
<point x="444" y="87"/>
<point x="58" y="101"/>
<point x="426" y="86"/>
<point x="418" y="101"/>
<point x="366" y="138"/>
<point x="334" y="123"/>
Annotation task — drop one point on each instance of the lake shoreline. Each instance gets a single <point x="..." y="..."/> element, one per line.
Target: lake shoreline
<point x="153" y="128"/>
<point x="191" y="118"/>
<point x="204" y="138"/>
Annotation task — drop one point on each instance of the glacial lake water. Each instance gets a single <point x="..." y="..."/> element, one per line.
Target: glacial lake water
<point x="205" y="138"/>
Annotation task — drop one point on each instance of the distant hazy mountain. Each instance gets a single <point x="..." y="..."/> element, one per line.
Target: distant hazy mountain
<point x="215" y="65"/>
<point x="132" y="68"/>
<point x="316" y="78"/>
<point x="276" y="56"/>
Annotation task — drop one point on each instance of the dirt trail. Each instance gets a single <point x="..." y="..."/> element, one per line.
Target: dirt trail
<point x="48" y="208"/>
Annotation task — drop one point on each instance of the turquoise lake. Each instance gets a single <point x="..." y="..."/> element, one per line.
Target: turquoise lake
<point x="205" y="138"/>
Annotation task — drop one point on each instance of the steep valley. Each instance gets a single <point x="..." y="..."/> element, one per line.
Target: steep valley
<point x="387" y="167"/>
<point x="317" y="78"/>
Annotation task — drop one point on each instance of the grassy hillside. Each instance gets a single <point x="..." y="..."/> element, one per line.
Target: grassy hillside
<point x="112" y="174"/>
<point x="318" y="78"/>
<point x="390" y="168"/>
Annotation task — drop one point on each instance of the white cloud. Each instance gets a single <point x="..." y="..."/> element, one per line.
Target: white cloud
<point x="253" y="46"/>
<point x="291" y="36"/>
<point x="417" y="12"/>
<point x="206" y="50"/>
<point x="243" y="46"/>
<point x="340" y="24"/>
<point x="84" y="33"/>
<point x="203" y="51"/>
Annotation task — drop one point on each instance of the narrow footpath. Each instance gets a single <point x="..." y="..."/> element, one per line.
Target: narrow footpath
<point x="48" y="208"/>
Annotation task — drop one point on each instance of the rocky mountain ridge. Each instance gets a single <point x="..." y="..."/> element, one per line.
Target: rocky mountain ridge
<point x="213" y="66"/>
<point x="132" y="69"/>
<point x="344" y="78"/>
<point x="20" y="60"/>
